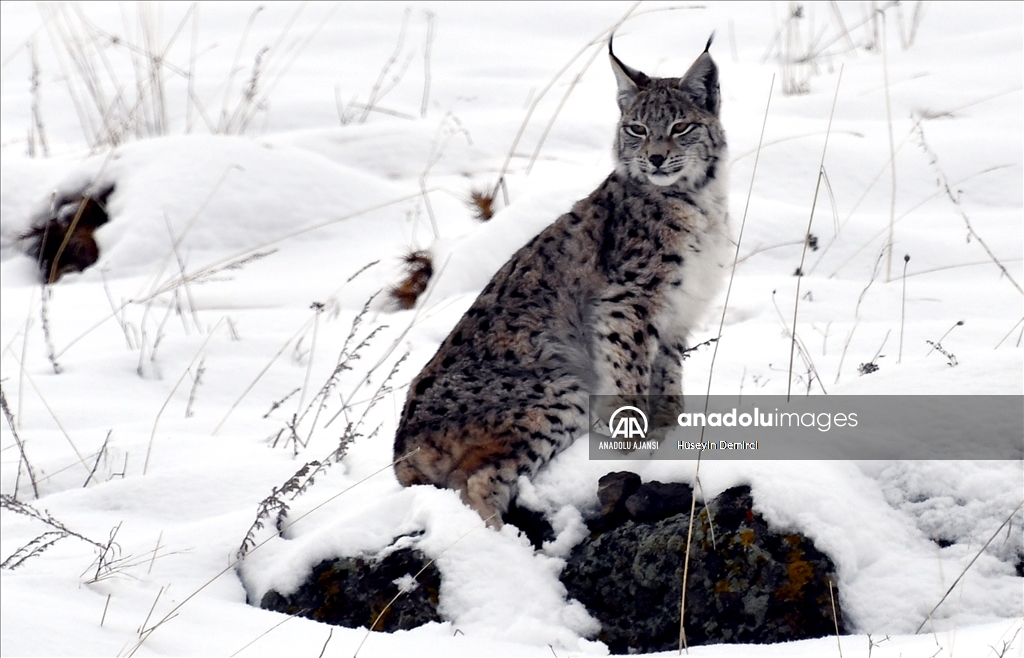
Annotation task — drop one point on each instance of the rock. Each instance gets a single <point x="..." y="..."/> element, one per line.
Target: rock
<point x="355" y="591"/>
<point x="533" y="524"/>
<point x="655" y="500"/>
<point x="62" y="241"/>
<point x="614" y="488"/>
<point x="747" y="585"/>
<point x="612" y="491"/>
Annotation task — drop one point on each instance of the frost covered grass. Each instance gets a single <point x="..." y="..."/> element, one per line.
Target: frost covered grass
<point x="231" y="370"/>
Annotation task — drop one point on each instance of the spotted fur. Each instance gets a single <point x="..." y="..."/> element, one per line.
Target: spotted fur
<point x="601" y="302"/>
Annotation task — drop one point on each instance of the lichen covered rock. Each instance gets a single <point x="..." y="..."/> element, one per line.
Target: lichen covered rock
<point x="746" y="583"/>
<point x="358" y="592"/>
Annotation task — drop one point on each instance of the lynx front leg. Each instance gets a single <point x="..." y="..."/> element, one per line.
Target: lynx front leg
<point x="624" y="346"/>
<point x="667" y="381"/>
<point x="667" y="374"/>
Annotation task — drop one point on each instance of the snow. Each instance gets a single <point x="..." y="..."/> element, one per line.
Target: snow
<point x="270" y="220"/>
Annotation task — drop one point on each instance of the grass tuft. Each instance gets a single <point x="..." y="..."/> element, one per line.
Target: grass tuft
<point x="481" y="202"/>
<point x="419" y="268"/>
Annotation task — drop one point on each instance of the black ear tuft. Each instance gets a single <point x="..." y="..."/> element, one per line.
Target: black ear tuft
<point x="630" y="80"/>
<point x="701" y="81"/>
<point x="710" y="40"/>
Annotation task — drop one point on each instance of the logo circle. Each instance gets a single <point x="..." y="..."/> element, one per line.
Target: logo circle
<point x="611" y="421"/>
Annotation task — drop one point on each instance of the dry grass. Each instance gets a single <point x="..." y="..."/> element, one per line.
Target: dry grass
<point x="803" y="252"/>
<point x="419" y="269"/>
<point x="481" y="203"/>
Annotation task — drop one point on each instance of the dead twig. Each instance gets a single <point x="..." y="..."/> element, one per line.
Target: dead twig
<point x="21" y="446"/>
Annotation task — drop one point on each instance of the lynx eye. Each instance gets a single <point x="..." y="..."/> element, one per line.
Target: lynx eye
<point x="680" y="129"/>
<point x="635" y="129"/>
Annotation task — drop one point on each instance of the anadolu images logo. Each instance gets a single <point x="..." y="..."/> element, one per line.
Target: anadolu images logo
<point x="628" y="426"/>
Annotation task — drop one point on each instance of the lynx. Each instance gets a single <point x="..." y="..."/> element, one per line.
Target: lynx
<point x="601" y="302"/>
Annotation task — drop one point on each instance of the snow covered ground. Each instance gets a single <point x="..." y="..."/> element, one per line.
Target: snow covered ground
<point x="265" y="186"/>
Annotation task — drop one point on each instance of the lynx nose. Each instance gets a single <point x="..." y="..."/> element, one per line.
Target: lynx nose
<point x="657" y="160"/>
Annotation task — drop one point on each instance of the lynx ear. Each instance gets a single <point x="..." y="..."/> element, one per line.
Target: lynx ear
<point x="701" y="82"/>
<point x="630" y="81"/>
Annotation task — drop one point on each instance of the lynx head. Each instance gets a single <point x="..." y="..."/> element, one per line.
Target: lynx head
<point x="669" y="133"/>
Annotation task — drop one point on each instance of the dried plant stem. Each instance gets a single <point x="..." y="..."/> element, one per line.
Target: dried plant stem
<point x="276" y="75"/>
<point x="969" y="565"/>
<point x="790" y="138"/>
<point x="235" y="65"/>
<point x="21" y="446"/>
<point x="99" y="456"/>
<point x="856" y="314"/>
<point x="44" y="314"/>
<point x="196" y="381"/>
<point x="330" y="634"/>
<point x="173" y="304"/>
<point x="155" y="551"/>
<point x="801" y="348"/>
<point x="437" y="149"/>
<point x="903" y="308"/>
<point x="118" y="312"/>
<point x="49" y="409"/>
<point x="934" y="346"/>
<point x="686" y="564"/>
<point x="269" y="631"/>
<point x="318" y="309"/>
<point x="24" y="350"/>
<point x="810" y="221"/>
<point x="38" y="129"/>
<point x="881" y="347"/>
<point x="259" y="376"/>
<point x="428" y="44"/>
<point x="176" y="242"/>
<point x="105" y="564"/>
<point x="1014" y="327"/>
<point x="151" y="609"/>
<point x="941" y="268"/>
<point x="976" y="236"/>
<point x="835" y="617"/>
<point x="105" y="606"/>
<point x="156" y="421"/>
<point x="194" y="314"/>
<point x="561" y="103"/>
<point x="375" y="93"/>
<point x="892" y="150"/>
<point x="190" y="94"/>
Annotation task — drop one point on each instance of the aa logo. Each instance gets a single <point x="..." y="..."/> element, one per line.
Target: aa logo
<point x="628" y="425"/>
